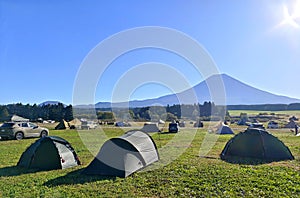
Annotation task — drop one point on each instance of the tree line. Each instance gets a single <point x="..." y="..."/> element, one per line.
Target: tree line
<point x="205" y="111"/>
<point x="33" y="112"/>
<point x="59" y="111"/>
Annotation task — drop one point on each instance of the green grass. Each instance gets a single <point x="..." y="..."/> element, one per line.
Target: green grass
<point x="254" y="112"/>
<point x="249" y="112"/>
<point x="187" y="176"/>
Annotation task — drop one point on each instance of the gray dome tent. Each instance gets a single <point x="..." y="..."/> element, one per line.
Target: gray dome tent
<point x="291" y="124"/>
<point x="255" y="145"/>
<point x="124" y="155"/>
<point x="224" y="129"/>
<point x="150" y="127"/>
<point x="49" y="153"/>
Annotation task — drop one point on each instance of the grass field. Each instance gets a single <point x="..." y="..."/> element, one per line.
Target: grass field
<point x="254" y="112"/>
<point x="187" y="176"/>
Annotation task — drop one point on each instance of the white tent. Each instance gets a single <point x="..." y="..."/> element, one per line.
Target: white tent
<point x="16" y="118"/>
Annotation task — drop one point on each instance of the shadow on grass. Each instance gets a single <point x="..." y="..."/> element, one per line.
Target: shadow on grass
<point x="167" y="132"/>
<point x="76" y="177"/>
<point x="15" y="171"/>
<point x="237" y="160"/>
<point x="13" y="139"/>
<point x="249" y="161"/>
<point x="209" y="157"/>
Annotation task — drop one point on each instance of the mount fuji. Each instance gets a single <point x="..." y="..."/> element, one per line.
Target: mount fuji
<point x="234" y="91"/>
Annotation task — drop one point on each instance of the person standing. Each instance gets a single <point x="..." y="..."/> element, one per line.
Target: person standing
<point x="296" y="129"/>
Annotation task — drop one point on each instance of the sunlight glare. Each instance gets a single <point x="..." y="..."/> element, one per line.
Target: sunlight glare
<point x="291" y="18"/>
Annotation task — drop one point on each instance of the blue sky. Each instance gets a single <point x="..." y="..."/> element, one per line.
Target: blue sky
<point x="43" y="44"/>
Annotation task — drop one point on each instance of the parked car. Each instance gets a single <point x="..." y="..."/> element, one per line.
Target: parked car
<point x="256" y="125"/>
<point x="20" y="130"/>
<point x="88" y="125"/>
<point x="123" y="124"/>
<point x="173" y="128"/>
<point x="273" y="125"/>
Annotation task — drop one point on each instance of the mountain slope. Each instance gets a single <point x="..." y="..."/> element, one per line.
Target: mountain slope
<point x="236" y="92"/>
<point x="50" y="103"/>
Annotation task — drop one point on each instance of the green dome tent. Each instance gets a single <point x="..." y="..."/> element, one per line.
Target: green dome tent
<point x="124" y="155"/>
<point x="49" y="153"/>
<point x="255" y="145"/>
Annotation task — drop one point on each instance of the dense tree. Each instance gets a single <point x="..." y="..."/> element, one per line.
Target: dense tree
<point x="46" y="112"/>
<point x="105" y="116"/>
<point x="56" y="112"/>
<point x="169" y="117"/>
<point x="207" y="111"/>
<point x="142" y="114"/>
<point x="4" y="115"/>
<point x="68" y="115"/>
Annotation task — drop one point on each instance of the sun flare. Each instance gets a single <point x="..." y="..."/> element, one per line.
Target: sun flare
<point x="291" y="16"/>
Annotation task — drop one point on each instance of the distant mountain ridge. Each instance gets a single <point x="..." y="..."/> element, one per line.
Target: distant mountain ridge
<point x="50" y="103"/>
<point x="236" y="93"/>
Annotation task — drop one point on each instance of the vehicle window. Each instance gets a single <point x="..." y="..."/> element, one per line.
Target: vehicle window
<point x="32" y="125"/>
<point x="7" y="124"/>
<point x="24" y="125"/>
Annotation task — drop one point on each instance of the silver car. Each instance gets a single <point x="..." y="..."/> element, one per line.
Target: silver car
<point x="20" y="130"/>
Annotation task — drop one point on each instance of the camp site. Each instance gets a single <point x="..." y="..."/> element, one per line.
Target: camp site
<point x="130" y="161"/>
<point x="149" y="99"/>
